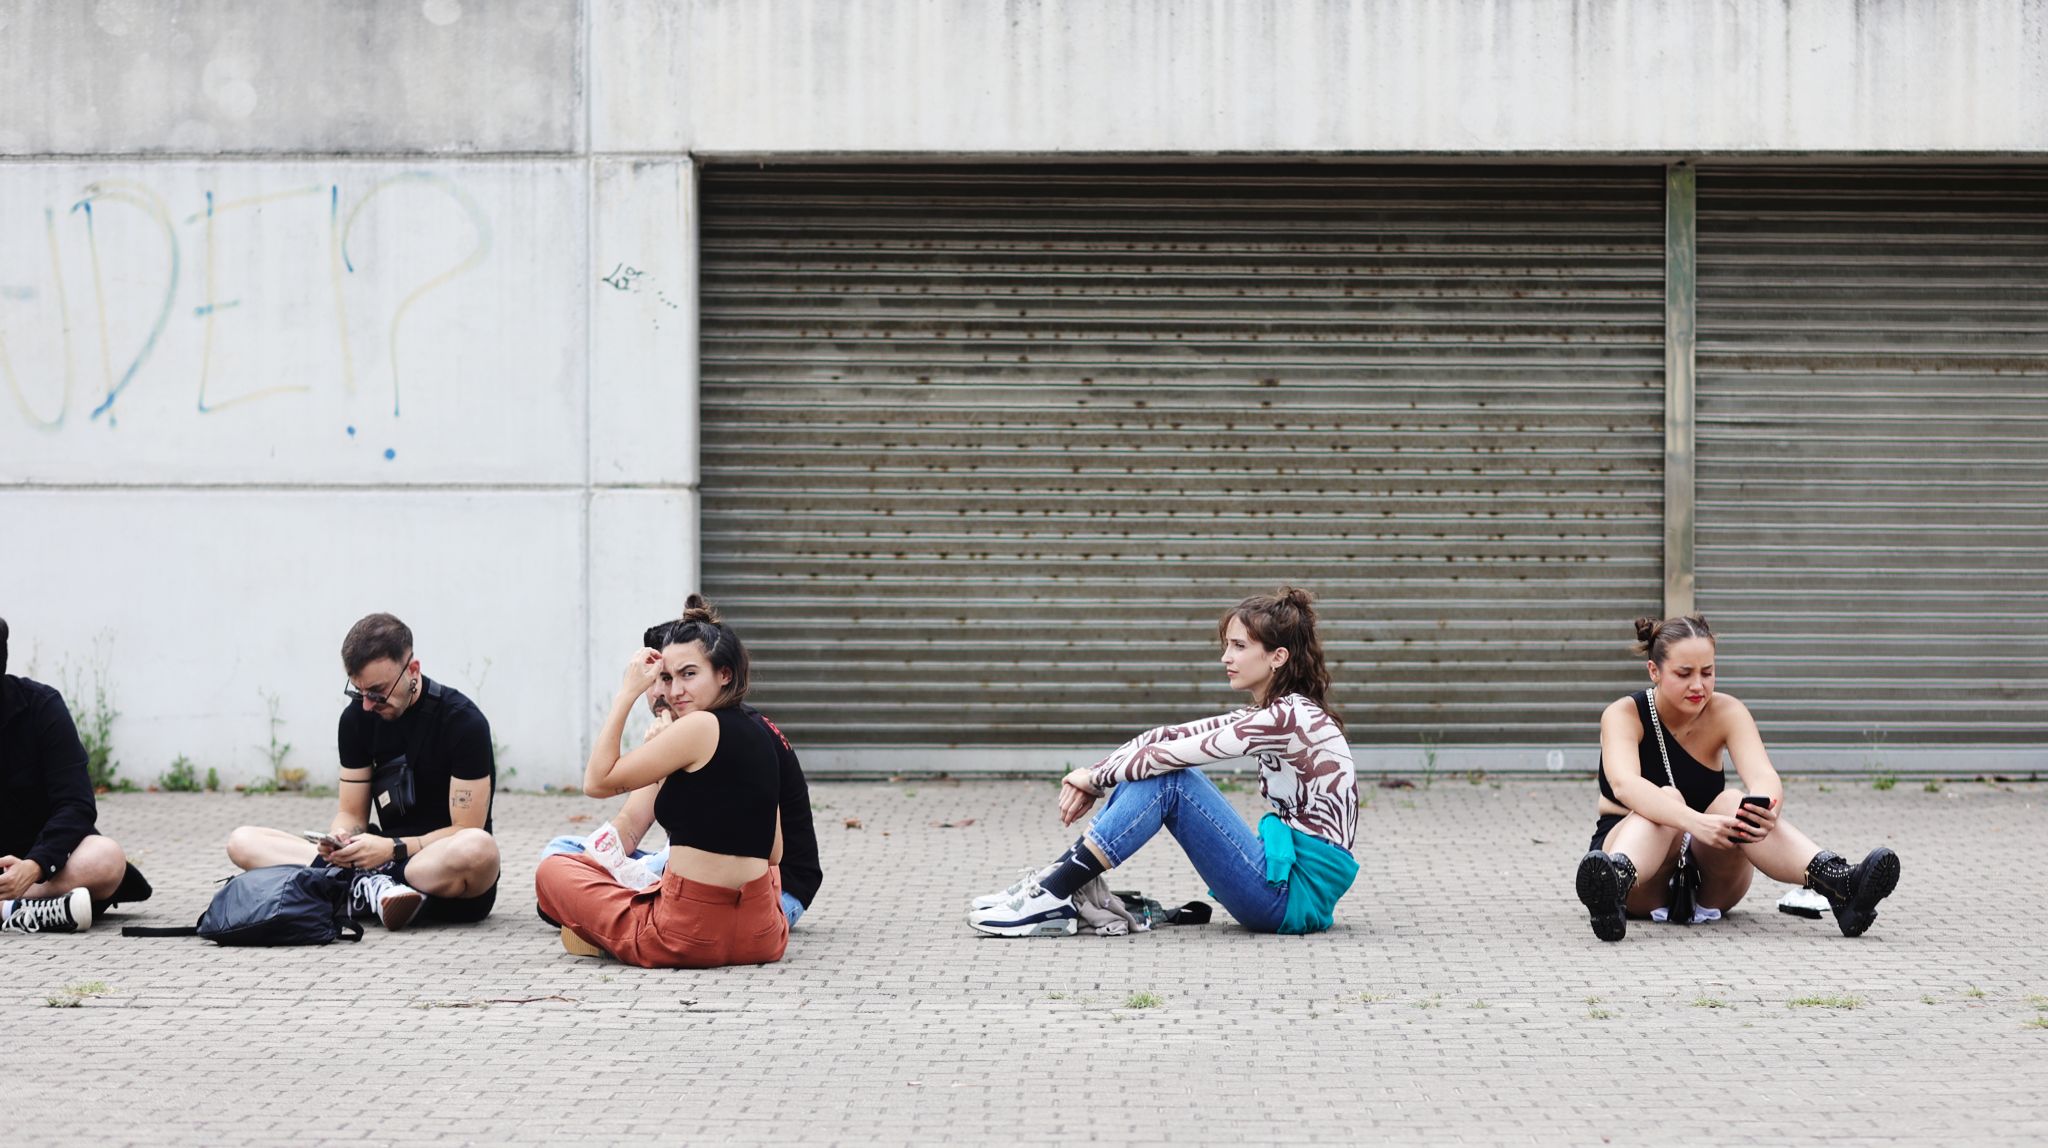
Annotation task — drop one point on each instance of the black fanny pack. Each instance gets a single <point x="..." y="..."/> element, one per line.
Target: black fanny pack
<point x="391" y="790"/>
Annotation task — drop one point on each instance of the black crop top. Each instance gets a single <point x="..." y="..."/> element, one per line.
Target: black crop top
<point x="1698" y="784"/>
<point x="729" y="805"/>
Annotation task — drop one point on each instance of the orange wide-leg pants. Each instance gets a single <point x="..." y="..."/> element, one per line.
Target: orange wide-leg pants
<point x="678" y="924"/>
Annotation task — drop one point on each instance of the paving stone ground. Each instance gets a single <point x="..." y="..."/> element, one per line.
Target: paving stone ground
<point x="1461" y="998"/>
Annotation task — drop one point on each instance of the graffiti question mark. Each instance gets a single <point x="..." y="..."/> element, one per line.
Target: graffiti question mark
<point x="478" y="221"/>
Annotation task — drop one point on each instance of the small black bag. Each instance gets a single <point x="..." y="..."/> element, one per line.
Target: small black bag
<point x="275" y="905"/>
<point x="392" y="789"/>
<point x="1682" y="891"/>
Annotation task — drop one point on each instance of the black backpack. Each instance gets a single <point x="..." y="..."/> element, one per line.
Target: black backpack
<point x="275" y="905"/>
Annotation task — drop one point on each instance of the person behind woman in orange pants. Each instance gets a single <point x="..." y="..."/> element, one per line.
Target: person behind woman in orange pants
<point x="720" y="899"/>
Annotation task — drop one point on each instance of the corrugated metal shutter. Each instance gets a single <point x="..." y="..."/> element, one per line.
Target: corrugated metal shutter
<point x="1873" y="451"/>
<point x="986" y="451"/>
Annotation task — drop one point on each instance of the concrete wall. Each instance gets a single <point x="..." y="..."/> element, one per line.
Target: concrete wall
<point x="313" y="309"/>
<point x="769" y="77"/>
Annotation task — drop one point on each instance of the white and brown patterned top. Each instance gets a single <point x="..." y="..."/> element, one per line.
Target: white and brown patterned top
<point x="1305" y="766"/>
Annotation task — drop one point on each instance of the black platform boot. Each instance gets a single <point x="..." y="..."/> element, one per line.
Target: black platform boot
<point x="1853" y="891"/>
<point x="1604" y="882"/>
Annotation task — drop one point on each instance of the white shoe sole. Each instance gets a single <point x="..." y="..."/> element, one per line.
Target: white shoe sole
<point x="1056" y="927"/>
<point x="398" y="910"/>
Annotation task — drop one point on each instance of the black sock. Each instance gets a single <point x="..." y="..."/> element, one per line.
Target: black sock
<point x="1075" y="868"/>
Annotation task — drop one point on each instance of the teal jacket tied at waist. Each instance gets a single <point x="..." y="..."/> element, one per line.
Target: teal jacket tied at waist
<point x="1317" y="873"/>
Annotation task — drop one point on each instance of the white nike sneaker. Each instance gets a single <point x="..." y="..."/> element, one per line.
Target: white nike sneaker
<point x="1032" y="913"/>
<point x="66" y="913"/>
<point x="1024" y="882"/>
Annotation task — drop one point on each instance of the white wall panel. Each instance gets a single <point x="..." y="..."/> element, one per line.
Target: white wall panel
<point x="771" y="77"/>
<point x="643" y="555"/>
<point x="330" y="323"/>
<point x="203" y="76"/>
<point x="202" y="601"/>
<point x="643" y="314"/>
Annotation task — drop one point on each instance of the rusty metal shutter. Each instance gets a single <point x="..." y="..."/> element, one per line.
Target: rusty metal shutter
<point x="987" y="451"/>
<point x="1873" y="455"/>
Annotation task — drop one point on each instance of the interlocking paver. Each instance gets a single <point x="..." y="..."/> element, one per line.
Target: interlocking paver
<point x="1461" y="998"/>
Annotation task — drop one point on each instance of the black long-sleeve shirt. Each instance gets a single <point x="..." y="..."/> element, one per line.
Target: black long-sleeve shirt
<point x="801" y="873"/>
<point x="46" y="803"/>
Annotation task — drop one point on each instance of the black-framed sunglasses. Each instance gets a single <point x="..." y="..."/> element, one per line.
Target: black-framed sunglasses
<point x="377" y="697"/>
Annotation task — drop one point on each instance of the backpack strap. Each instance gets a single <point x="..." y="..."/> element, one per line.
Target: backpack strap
<point x="351" y="931"/>
<point x="180" y="931"/>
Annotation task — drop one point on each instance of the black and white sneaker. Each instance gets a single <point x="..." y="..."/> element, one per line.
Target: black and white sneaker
<point x="68" y="913"/>
<point x="377" y="895"/>
<point x="1032" y="912"/>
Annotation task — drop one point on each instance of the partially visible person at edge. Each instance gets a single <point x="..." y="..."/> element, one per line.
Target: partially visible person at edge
<point x="1648" y="814"/>
<point x="720" y="897"/>
<point x="801" y="872"/>
<point x="1284" y="877"/>
<point x="56" y="871"/>
<point x="415" y="755"/>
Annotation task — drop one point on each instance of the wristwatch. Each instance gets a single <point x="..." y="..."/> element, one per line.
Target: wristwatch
<point x="398" y="851"/>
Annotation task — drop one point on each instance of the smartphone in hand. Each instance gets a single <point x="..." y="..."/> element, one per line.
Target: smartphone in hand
<point x="1754" y="801"/>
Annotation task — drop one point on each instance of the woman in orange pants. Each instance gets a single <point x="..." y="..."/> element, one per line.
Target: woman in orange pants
<point x="720" y="899"/>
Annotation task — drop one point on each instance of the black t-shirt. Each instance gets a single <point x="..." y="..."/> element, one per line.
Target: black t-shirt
<point x="442" y="736"/>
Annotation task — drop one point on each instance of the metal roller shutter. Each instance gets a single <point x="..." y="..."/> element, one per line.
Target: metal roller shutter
<point x="986" y="451"/>
<point x="1873" y="453"/>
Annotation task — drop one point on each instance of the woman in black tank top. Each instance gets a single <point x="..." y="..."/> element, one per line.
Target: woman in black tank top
<point x="1659" y="798"/>
<point x="720" y="897"/>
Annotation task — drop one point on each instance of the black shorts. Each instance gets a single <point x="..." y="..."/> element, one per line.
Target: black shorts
<point x="451" y="910"/>
<point x="1602" y="828"/>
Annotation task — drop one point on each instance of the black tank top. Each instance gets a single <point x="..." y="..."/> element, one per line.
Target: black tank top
<point x="1698" y="784"/>
<point x="729" y="805"/>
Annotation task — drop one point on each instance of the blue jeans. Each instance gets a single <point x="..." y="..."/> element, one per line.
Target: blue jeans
<point x="1226" y="851"/>
<point x="656" y="862"/>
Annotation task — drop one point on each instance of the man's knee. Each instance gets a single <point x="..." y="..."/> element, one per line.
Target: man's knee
<point x="472" y="851"/>
<point x="98" y="864"/>
<point x="243" y="845"/>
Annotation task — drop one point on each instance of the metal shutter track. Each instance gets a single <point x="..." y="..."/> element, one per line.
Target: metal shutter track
<point x="986" y="451"/>
<point x="1873" y="451"/>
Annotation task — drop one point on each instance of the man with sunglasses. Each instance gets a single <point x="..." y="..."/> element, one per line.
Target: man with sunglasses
<point x="416" y="756"/>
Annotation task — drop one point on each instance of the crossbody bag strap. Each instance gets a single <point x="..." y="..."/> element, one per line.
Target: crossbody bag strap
<point x="1657" y="731"/>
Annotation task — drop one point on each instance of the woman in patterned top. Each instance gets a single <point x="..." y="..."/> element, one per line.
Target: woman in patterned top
<point x="1659" y="800"/>
<point x="1283" y="877"/>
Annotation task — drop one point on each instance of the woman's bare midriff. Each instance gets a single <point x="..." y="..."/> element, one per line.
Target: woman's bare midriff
<point x="721" y="869"/>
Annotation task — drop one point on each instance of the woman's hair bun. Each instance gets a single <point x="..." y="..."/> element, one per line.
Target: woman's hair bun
<point x="1298" y="598"/>
<point x="1646" y="628"/>
<point x="696" y="609"/>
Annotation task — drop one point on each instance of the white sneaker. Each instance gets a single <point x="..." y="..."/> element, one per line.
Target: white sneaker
<point x="991" y="900"/>
<point x="393" y="904"/>
<point x="1032" y="913"/>
<point x="67" y="913"/>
